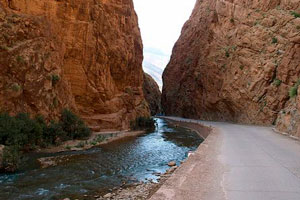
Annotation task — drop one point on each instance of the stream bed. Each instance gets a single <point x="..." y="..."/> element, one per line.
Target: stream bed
<point x="102" y="168"/>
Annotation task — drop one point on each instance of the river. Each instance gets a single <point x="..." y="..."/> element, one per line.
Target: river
<point x="101" y="168"/>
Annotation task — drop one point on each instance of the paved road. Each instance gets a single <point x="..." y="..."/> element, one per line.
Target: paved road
<point x="238" y="162"/>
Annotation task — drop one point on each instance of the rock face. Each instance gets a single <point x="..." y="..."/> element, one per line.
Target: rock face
<point x="80" y="54"/>
<point x="152" y="94"/>
<point x="235" y="61"/>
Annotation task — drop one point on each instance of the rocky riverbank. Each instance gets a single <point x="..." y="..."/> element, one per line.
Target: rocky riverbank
<point x="138" y="191"/>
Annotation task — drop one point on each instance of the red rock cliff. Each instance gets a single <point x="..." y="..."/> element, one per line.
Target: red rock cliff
<point x="235" y="61"/>
<point x="82" y="54"/>
<point x="152" y="94"/>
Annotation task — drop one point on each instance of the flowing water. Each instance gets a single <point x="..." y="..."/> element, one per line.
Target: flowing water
<point x="101" y="168"/>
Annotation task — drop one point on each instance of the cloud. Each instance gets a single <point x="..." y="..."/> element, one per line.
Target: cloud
<point x="161" y="21"/>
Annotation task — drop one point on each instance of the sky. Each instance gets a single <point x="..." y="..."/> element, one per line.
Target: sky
<point x="160" y="22"/>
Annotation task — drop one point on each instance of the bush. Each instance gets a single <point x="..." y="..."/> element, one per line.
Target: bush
<point x="21" y="132"/>
<point x="11" y="158"/>
<point x="55" y="78"/>
<point x="143" y="123"/>
<point x="74" y="126"/>
<point x="295" y="14"/>
<point x="277" y="82"/>
<point x="274" y="40"/>
<point x="20" y="59"/>
<point x="54" y="134"/>
<point x="227" y="53"/>
<point x="16" y="87"/>
<point x="293" y="92"/>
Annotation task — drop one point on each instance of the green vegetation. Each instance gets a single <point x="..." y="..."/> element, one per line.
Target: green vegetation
<point x="16" y="87"/>
<point x="274" y="40"/>
<point x="11" y="158"/>
<point x="3" y="48"/>
<point x="298" y="27"/>
<point x="232" y="20"/>
<point x="68" y="147"/>
<point x="295" y="14"/>
<point x="241" y="67"/>
<point x="293" y="92"/>
<point x="227" y="53"/>
<point x="80" y="145"/>
<point x="277" y="82"/>
<point x="55" y="78"/>
<point x="22" y="133"/>
<point x="20" y="59"/>
<point x="143" y="123"/>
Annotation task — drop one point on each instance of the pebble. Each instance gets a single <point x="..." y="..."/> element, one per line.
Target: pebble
<point x="108" y="195"/>
<point x="172" y="163"/>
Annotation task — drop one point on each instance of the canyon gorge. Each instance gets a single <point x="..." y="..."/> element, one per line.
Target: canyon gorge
<point x="77" y="54"/>
<point x="79" y="64"/>
<point x="237" y="61"/>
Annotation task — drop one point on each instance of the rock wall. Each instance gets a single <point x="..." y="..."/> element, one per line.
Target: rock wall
<point x="82" y="54"/>
<point x="152" y="94"/>
<point x="235" y="61"/>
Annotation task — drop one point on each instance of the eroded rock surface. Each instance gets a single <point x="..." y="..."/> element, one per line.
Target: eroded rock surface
<point x="235" y="61"/>
<point x="152" y="94"/>
<point x="80" y="54"/>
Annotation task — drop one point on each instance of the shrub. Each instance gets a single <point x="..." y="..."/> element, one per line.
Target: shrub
<point x="30" y="130"/>
<point x="16" y="87"/>
<point x="298" y="27"/>
<point x="295" y="14"/>
<point x="3" y="48"/>
<point x="54" y="133"/>
<point x="232" y="20"/>
<point x="73" y="125"/>
<point x="21" y="132"/>
<point x="274" y="40"/>
<point x="20" y="59"/>
<point x="277" y="82"/>
<point x="11" y="158"/>
<point x="55" y="78"/>
<point x="143" y="123"/>
<point x="99" y="138"/>
<point x="80" y="145"/>
<point x="241" y="67"/>
<point x="293" y="92"/>
<point x="68" y="147"/>
<point x="227" y="53"/>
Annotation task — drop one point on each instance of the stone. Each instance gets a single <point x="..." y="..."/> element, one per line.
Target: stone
<point x="172" y="169"/>
<point x="98" y="61"/>
<point x="172" y="163"/>
<point x="152" y="94"/>
<point x="108" y="195"/>
<point x="227" y="66"/>
<point x="1" y="155"/>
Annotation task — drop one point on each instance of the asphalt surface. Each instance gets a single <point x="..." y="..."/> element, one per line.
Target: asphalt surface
<point x="237" y="162"/>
